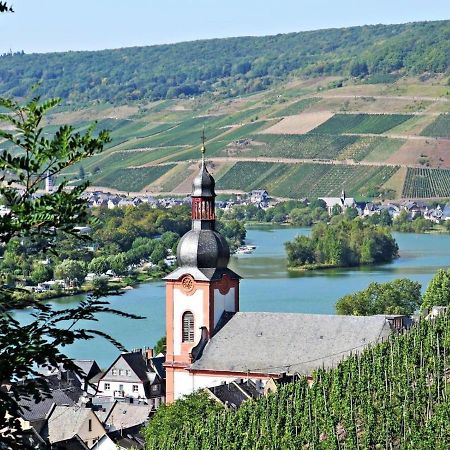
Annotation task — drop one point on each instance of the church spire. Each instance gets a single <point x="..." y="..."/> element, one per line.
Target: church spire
<point x="203" y="196"/>
<point x="203" y="149"/>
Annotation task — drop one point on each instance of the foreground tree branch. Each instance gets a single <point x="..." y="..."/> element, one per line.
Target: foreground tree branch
<point x="29" y="155"/>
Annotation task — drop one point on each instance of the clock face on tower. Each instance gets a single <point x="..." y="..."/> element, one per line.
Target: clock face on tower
<point x="188" y="284"/>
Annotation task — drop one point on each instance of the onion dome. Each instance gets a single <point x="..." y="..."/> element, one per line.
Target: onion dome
<point x="203" y="185"/>
<point x="203" y="249"/>
<point x="203" y="252"/>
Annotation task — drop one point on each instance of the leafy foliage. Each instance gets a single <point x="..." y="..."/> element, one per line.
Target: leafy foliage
<point x="395" y="297"/>
<point x="5" y="8"/>
<point x="38" y="222"/>
<point x="227" y="67"/>
<point x="34" y="157"/>
<point x="392" y="395"/>
<point x="160" y="346"/>
<point x="168" y="418"/>
<point x="438" y="291"/>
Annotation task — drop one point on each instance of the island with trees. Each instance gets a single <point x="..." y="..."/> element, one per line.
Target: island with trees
<point x="341" y="243"/>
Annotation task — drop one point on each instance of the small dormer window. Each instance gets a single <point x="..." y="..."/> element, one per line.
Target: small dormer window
<point x="188" y="327"/>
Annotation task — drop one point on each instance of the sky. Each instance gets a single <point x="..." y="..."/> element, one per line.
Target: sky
<point x="59" y="25"/>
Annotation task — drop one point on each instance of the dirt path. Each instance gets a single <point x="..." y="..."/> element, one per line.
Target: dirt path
<point x="388" y="97"/>
<point x="400" y="136"/>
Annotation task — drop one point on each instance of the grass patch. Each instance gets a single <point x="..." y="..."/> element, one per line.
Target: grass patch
<point x="382" y="149"/>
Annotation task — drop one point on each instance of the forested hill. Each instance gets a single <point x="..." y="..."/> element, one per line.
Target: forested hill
<point x="228" y="67"/>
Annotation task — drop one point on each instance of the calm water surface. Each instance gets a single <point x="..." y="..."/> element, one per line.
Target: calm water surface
<point x="266" y="286"/>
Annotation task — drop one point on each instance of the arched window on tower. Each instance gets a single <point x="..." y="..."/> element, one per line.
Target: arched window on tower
<point x="188" y="327"/>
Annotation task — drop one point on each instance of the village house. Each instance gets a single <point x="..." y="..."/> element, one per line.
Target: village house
<point x="233" y="394"/>
<point x="434" y="214"/>
<point x="135" y="374"/>
<point x="65" y="422"/>
<point x="414" y="209"/>
<point x="259" y="197"/>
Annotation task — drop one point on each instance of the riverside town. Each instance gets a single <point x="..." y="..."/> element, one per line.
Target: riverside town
<point x="215" y="242"/>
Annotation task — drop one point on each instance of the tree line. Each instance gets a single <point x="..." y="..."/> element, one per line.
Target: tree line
<point x="342" y="243"/>
<point x="121" y="239"/>
<point x="227" y="67"/>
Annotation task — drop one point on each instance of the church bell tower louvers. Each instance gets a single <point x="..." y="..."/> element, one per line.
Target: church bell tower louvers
<point x="201" y="290"/>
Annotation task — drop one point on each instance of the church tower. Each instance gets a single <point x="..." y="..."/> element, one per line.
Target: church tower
<point x="202" y="292"/>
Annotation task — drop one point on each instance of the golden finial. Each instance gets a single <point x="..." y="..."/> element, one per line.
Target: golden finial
<point x="203" y="149"/>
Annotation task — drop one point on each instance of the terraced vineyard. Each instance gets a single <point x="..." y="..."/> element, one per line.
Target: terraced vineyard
<point x="425" y="183"/>
<point x="266" y="128"/>
<point x="130" y="158"/>
<point x="298" y="146"/>
<point x="130" y="130"/>
<point x="241" y="117"/>
<point x="218" y="147"/>
<point x="296" y="107"/>
<point x="187" y="132"/>
<point x="361" y="123"/>
<point x="305" y="180"/>
<point x="439" y="128"/>
<point x="245" y="176"/>
<point x="328" y="180"/>
<point x="133" y="180"/>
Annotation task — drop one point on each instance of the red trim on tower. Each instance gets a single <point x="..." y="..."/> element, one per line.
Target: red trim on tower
<point x="203" y="208"/>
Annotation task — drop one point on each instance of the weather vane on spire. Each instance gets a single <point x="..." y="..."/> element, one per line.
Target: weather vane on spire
<point x="203" y="149"/>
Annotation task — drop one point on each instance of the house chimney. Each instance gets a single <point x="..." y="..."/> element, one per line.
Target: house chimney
<point x="148" y="353"/>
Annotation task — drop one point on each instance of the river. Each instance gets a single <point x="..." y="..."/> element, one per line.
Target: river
<point x="266" y="286"/>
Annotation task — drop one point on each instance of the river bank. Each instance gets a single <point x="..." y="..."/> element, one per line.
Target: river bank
<point x="266" y="285"/>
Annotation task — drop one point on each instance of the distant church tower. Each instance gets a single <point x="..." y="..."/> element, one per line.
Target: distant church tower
<point x="49" y="183"/>
<point x="201" y="291"/>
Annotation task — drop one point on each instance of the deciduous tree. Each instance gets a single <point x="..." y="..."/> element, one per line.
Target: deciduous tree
<point x="30" y="156"/>
<point x="396" y="297"/>
<point x="438" y="291"/>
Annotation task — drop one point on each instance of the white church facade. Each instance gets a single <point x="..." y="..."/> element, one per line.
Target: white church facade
<point x="209" y="341"/>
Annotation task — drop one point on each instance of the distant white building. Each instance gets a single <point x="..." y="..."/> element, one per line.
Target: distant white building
<point x="49" y="183"/>
<point x="258" y="196"/>
<point x="343" y="201"/>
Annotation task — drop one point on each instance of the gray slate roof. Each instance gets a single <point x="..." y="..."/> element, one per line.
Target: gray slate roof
<point x="66" y="421"/>
<point x="125" y="415"/>
<point x="274" y="343"/>
<point x="89" y="367"/>
<point x="33" y="411"/>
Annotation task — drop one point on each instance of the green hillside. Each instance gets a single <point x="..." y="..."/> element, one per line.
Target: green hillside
<point x="228" y="67"/>
<point x="393" y="395"/>
<point x="260" y="141"/>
